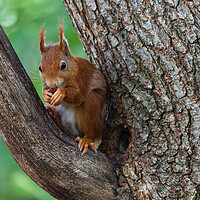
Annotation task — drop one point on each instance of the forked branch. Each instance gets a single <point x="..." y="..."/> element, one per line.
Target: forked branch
<point x="40" y="148"/>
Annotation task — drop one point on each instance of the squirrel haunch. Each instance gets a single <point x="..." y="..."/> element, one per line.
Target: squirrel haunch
<point x="74" y="92"/>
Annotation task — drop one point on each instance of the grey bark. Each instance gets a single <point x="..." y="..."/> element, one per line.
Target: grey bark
<point x="40" y="148"/>
<point x="149" y="52"/>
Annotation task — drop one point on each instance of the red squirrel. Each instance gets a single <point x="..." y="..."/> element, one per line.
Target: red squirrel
<point x="74" y="91"/>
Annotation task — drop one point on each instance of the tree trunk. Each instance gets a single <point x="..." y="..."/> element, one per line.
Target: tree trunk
<point x="149" y="52"/>
<point x="41" y="149"/>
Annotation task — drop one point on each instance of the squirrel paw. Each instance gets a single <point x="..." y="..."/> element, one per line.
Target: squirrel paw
<point x="84" y="144"/>
<point x="57" y="97"/>
<point x="47" y="96"/>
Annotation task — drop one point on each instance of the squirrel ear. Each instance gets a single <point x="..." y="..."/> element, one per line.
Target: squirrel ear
<point x="66" y="47"/>
<point x="63" y="42"/>
<point x="42" y="38"/>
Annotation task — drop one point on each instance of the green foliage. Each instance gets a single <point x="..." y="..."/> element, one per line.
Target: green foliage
<point x="21" y="21"/>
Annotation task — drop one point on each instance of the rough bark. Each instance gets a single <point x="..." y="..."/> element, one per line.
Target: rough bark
<point x="149" y="52"/>
<point x="41" y="149"/>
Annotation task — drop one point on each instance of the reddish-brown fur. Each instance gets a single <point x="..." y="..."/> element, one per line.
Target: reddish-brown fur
<point x="84" y="87"/>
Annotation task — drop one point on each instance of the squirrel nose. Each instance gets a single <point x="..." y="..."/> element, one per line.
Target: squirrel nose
<point x="51" y="84"/>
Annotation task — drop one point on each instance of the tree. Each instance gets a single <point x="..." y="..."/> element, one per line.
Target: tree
<point x="149" y="53"/>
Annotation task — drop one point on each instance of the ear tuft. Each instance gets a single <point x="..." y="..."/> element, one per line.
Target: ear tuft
<point x="63" y="42"/>
<point x="42" y="38"/>
<point x="60" y="32"/>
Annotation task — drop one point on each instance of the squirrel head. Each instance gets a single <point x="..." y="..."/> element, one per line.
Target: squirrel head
<point x="57" y="63"/>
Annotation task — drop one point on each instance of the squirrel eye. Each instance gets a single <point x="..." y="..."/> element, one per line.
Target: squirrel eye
<point x="63" y="65"/>
<point x="40" y="68"/>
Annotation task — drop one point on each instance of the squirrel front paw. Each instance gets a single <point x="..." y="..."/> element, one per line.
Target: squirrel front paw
<point x="47" y="96"/>
<point x="84" y="144"/>
<point x="57" y="97"/>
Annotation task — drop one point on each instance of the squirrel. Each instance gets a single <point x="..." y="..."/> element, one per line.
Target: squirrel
<point x="74" y="91"/>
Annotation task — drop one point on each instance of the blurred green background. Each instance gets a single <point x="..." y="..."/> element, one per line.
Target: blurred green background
<point x="21" y="20"/>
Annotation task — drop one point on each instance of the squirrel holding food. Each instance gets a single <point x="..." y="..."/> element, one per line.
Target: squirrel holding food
<point x="74" y="92"/>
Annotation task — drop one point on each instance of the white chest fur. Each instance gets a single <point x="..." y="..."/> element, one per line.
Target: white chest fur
<point x="67" y="114"/>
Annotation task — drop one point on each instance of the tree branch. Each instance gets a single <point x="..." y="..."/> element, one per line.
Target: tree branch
<point x="41" y="149"/>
